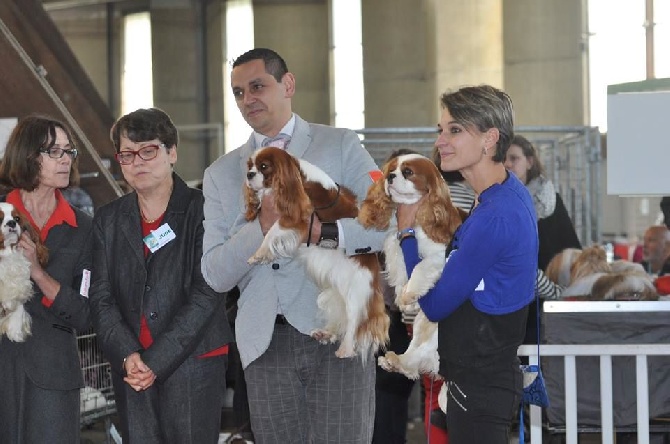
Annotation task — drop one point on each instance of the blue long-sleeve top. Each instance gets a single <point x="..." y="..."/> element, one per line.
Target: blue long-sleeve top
<point x="493" y="261"/>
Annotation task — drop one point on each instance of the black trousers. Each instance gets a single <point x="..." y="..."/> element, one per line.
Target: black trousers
<point x="392" y="391"/>
<point x="480" y="409"/>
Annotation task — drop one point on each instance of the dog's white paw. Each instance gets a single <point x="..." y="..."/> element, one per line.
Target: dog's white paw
<point x="345" y="351"/>
<point x="261" y="256"/>
<point x="392" y="362"/>
<point x="323" y="336"/>
<point x="408" y="297"/>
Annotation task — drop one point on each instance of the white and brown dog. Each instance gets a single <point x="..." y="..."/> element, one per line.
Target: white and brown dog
<point x="15" y="285"/>
<point x="406" y="180"/>
<point x="591" y="277"/>
<point x="351" y="300"/>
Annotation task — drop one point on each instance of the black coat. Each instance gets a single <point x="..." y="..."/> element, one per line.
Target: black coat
<point x="556" y="233"/>
<point x="185" y="316"/>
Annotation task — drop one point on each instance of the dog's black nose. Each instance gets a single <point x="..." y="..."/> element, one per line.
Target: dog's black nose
<point x="11" y="223"/>
<point x="250" y="175"/>
<point x="391" y="177"/>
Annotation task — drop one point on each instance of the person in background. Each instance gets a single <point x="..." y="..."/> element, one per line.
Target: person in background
<point x="41" y="377"/>
<point x="554" y="226"/>
<point x="298" y="390"/>
<point x="161" y="327"/>
<point x="481" y="299"/>
<point x="656" y="250"/>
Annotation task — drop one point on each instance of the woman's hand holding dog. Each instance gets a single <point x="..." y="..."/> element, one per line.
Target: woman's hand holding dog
<point x="48" y="285"/>
<point x="406" y="214"/>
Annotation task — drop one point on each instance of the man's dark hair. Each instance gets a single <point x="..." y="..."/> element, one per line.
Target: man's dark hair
<point x="143" y="125"/>
<point x="274" y="64"/>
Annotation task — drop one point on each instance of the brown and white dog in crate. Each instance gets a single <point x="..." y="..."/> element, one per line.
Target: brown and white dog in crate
<point x="407" y="179"/>
<point x="15" y="285"/>
<point x="591" y="277"/>
<point x="351" y="301"/>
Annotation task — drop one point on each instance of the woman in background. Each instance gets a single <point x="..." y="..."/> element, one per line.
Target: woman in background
<point x="555" y="229"/>
<point x="554" y="226"/>
<point x="41" y="377"/>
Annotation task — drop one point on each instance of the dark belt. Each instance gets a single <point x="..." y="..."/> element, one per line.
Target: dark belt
<point x="281" y="320"/>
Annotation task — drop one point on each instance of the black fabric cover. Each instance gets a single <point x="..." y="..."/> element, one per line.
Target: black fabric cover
<point x="606" y="328"/>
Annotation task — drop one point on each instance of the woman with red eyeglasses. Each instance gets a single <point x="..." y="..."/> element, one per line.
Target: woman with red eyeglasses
<point x="162" y="328"/>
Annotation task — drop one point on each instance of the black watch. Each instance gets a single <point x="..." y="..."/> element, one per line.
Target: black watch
<point x="329" y="236"/>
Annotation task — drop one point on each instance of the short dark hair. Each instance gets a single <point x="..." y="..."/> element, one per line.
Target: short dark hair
<point x="20" y="167"/>
<point x="483" y="107"/>
<point x="274" y="63"/>
<point x="145" y="124"/>
<point x="529" y="151"/>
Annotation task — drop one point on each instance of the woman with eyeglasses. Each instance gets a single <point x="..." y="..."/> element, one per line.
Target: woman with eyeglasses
<point x="162" y="328"/>
<point x="40" y="378"/>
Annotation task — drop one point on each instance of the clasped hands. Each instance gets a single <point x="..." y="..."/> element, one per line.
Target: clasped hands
<point x="138" y="375"/>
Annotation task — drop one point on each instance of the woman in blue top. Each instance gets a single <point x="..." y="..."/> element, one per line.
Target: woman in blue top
<point x="482" y="297"/>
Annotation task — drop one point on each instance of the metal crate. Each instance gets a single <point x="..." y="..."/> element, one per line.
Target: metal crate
<point x="97" y="396"/>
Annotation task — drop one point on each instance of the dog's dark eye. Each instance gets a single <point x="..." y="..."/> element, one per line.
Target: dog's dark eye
<point x="17" y="218"/>
<point x="406" y="172"/>
<point x="263" y="166"/>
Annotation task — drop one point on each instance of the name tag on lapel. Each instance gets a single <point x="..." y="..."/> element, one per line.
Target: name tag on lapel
<point x="159" y="237"/>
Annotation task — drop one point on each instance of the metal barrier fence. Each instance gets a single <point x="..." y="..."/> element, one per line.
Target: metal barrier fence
<point x="571" y="157"/>
<point x="605" y="352"/>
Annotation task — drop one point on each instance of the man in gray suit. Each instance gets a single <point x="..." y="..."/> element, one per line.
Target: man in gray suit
<point x="299" y="391"/>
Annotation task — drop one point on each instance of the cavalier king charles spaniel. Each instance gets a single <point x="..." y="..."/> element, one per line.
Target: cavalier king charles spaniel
<point x="15" y="284"/>
<point x="351" y="300"/>
<point x="407" y="179"/>
<point x="592" y="278"/>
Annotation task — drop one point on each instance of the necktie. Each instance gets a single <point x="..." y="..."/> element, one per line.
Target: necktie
<point x="280" y="141"/>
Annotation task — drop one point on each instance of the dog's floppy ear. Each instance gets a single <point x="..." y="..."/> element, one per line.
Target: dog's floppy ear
<point x="377" y="208"/>
<point x="40" y="249"/>
<point x="437" y="215"/>
<point x="291" y="199"/>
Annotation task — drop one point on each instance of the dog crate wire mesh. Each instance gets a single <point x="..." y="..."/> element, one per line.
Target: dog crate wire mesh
<point x="97" y="396"/>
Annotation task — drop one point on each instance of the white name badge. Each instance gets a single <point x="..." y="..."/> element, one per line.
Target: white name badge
<point x="159" y="237"/>
<point x="85" y="282"/>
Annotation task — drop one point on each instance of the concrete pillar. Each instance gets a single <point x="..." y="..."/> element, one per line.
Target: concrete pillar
<point x="186" y="63"/>
<point x="399" y="72"/>
<point x="300" y="34"/>
<point x="414" y="51"/>
<point x="467" y="40"/>
<point x="545" y="61"/>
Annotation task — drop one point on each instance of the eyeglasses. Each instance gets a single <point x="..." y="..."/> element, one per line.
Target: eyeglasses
<point x="57" y="153"/>
<point x="148" y="152"/>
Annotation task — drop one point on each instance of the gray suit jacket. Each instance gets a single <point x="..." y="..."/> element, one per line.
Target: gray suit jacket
<point x="282" y="287"/>
<point x="51" y="359"/>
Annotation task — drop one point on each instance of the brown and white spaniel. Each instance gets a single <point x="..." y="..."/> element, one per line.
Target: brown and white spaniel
<point x="351" y="301"/>
<point x="15" y="285"/>
<point x="591" y="277"/>
<point x="406" y="180"/>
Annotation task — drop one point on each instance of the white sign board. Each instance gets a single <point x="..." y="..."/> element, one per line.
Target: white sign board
<point x="638" y="147"/>
<point x="6" y="127"/>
